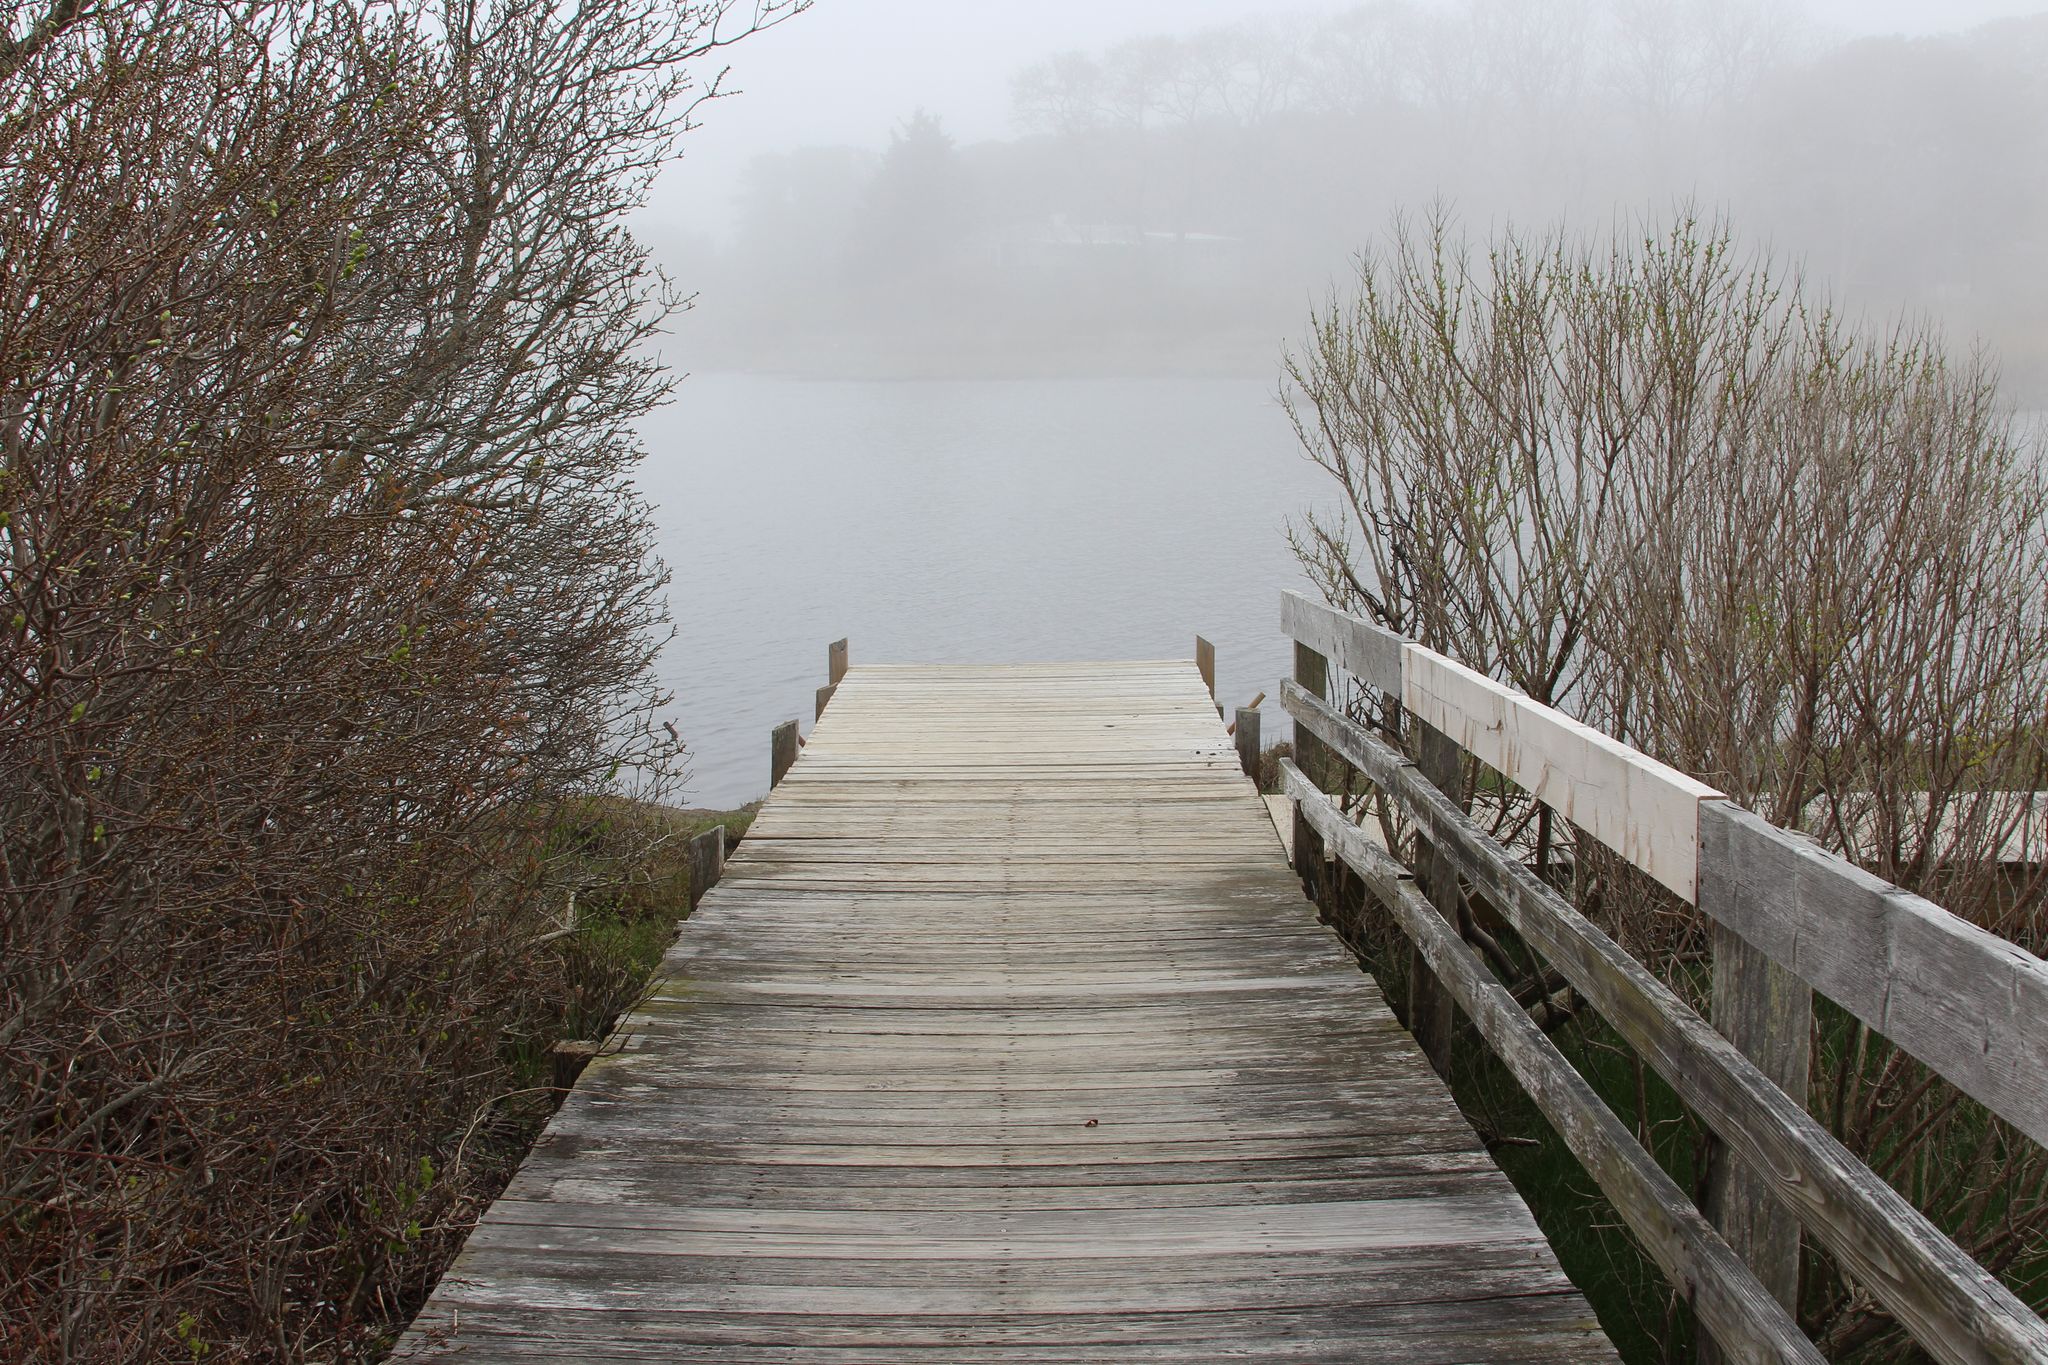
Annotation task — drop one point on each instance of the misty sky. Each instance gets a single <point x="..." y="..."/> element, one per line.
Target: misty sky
<point x="849" y="70"/>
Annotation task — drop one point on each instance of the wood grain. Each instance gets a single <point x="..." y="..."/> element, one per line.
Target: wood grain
<point x="1642" y="809"/>
<point x="1955" y="1308"/>
<point x="707" y="862"/>
<point x="1744" y="1318"/>
<point x="1006" y="1035"/>
<point x="1968" y="1003"/>
<point x="1246" y="732"/>
<point x="1367" y="652"/>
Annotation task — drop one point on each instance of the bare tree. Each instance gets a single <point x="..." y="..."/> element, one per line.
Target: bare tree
<point x="1657" y="483"/>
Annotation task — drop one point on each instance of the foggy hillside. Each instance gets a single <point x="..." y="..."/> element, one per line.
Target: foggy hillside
<point x="1175" y="203"/>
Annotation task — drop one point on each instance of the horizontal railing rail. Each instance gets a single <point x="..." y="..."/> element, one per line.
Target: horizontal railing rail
<point x="1789" y="917"/>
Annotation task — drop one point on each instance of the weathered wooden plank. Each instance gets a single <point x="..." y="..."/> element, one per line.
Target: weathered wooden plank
<point x="1281" y="809"/>
<point x="1952" y="1305"/>
<point x="1969" y="1004"/>
<point x="1740" y="1312"/>
<point x="1644" y="810"/>
<point x="1006" y="1033"/>
<point x="1367" y="652"/>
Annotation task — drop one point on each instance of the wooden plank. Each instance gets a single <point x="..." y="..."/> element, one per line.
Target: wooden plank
<point x="1005" y="1034"/>
<point x="1370" y="653"/>
<point x="1968" y="1003"/>
<point x="1738" y="1310"/>
<point x="1956" y="1309"/>
<point x="1644" y="810"/>
<point x="1281" y="810"/>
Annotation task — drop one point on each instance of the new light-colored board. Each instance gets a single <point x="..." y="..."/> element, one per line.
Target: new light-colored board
<point x="1007" y="1035"/>
<point x="1644" y="810"/>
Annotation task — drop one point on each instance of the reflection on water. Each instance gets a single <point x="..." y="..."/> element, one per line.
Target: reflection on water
<point x="975" y="522"/>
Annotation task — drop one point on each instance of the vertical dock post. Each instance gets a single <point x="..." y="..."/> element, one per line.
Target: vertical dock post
<point x="1248" y="741"/>
<point x="781" y="752"/>
<point x="1205" y="664"/>
<point x="1312" y="671"/>
<point x="707" y="862"/>
<point x="1429" y="1004"/>
<point x="1767" y="1012"/>
<point x="835" y="669"/>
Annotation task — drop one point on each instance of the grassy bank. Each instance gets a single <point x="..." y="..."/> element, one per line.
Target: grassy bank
<point x="623" y="874"/>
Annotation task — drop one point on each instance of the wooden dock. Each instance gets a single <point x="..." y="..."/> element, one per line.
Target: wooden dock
<point x="1008" y="1035"/>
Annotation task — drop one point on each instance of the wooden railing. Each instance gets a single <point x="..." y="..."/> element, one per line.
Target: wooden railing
<point x="1789" y="920"/>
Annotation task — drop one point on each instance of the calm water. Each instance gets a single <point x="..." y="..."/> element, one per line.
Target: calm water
<point x="957" y="521"/>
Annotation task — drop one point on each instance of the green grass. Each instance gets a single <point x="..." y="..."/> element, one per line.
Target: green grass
<point x="1633" y="1300"/>
<point x="628" y="912"/>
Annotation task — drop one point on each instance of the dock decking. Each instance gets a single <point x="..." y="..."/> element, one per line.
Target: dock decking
<point x="1008" y="1036"/>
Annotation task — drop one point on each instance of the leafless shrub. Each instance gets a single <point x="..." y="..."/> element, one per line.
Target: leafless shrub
<point x="1657" y="483"/>
<point x="321" y="589"/>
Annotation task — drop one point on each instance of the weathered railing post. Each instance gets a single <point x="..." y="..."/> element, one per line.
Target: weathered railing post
<point x="835" y="669"/>
<point x="1205" y="664"/>
<point x="707" y="862"/>
<point x="1429" y="1005"/>
<point x="1312" y="671"/>
<point x="1767" y="1012"/>
<point x="1247" y="734"/>
<point x="781" y="751"/>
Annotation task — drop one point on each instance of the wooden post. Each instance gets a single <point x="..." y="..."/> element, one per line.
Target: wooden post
<point x="824" y="696"/>
<point x="568" y="1058"/>
<point x="781" y="752"/>
<point x="707" y="862"/>
<point x="1205" y="664"/>
<point x="1248" y="741"/>
<point x="1312" y="671"/>
<point x="835" y="662"/>
<point x="1429" y="1004"/>
<point x="1767" y="1012"/>
<point x="1308" y="858"/>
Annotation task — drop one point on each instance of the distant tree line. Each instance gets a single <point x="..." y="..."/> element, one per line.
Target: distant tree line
<point x="1901" y="170"/>
<point x="323" y="597"/>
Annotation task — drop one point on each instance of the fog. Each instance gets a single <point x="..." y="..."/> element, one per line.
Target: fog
<point x="923" y="188"/>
